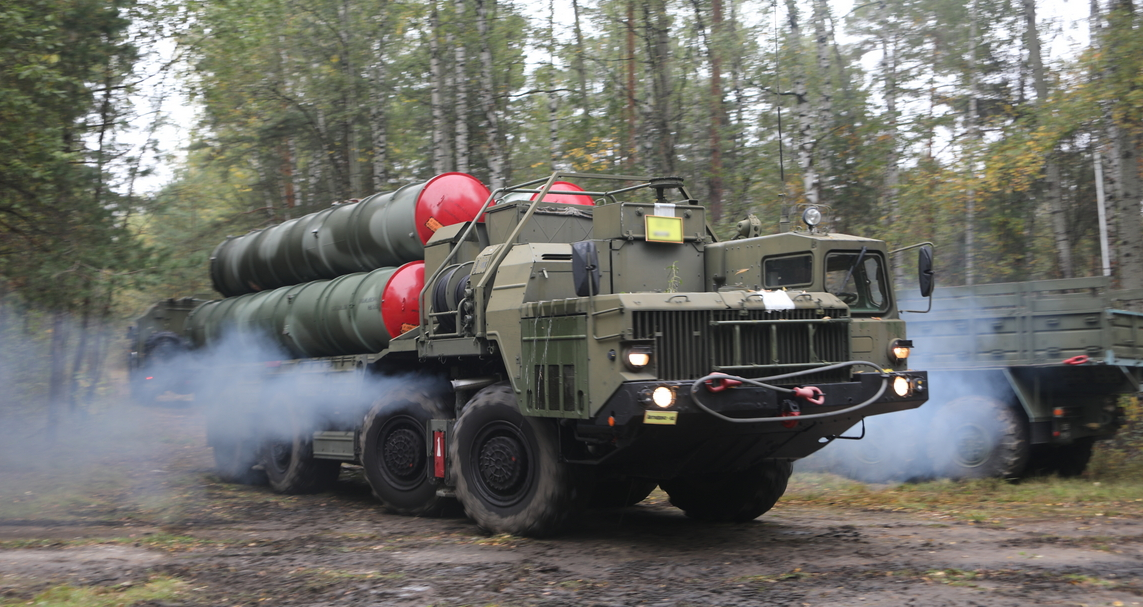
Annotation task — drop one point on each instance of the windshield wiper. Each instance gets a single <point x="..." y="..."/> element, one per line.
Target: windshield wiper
<point x="856" y="263"/>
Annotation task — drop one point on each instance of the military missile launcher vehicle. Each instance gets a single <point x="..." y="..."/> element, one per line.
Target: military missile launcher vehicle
<point x="554" y="348"/>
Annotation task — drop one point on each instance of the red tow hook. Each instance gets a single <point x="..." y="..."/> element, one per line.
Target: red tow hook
<point x="812" y="394"/>
<point x="718" y="384"/>
<point x="790" y="409"/>
<point x="1082" y="359"/>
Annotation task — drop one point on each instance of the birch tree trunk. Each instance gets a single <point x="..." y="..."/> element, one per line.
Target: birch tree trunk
<point x="436" y="73"/>
<point x="891" y="201"/>
<point x="460" y="90"/>
<point x="497" y="162"/>
<point x="804" y="133"/>
<point x="973" y="131"/>
<point x="578" y="66"/>
<point x="1051" y="166"/>
<point x="824" y="102"/>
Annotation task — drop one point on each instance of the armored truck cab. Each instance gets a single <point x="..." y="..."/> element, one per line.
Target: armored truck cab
<point x="563" y="355"/>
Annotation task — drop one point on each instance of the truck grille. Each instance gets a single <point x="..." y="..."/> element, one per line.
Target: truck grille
<point x="757" y="343"/>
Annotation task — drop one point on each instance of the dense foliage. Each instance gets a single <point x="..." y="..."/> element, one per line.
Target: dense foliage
<point x="939" y="120"/>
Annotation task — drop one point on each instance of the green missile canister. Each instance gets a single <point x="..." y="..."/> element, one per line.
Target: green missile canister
<point x="352" y="314"/>
<point x="383" y="230"/>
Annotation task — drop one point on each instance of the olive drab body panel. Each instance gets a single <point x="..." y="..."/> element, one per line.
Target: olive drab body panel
<point x="383" y="230"/>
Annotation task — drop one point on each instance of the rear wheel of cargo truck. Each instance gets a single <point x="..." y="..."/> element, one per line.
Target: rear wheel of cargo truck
<point x="508" y="472"/>
<point x="287" y="453"/>
<point x="395" y="452"/>
<point x="978" y="437"/>
<point x="730" y="498"/>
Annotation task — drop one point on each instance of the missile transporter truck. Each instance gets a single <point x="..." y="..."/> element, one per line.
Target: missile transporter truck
<point x="543" y="350"/>
<point x="1026" y="377"/>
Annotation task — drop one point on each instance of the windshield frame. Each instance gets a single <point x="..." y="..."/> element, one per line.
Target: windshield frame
<point x="861" y="280"/>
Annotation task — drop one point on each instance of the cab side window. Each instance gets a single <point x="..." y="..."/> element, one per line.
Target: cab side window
<point x="788" y="271"/>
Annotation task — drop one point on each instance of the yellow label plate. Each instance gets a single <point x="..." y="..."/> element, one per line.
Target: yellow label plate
<point x="664" y="229"/>
<point x="662" y="418"/>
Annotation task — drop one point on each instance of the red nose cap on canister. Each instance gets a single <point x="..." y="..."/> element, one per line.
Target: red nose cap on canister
<point x="446" y="199"/>
<point x="566" y="198"/>
<point x="400" y="299"/>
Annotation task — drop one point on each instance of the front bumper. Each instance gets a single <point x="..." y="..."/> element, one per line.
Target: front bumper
<point x="698" y="442"/>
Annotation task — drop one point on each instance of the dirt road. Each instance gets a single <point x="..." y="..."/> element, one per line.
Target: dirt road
<point x="234" y="545"/>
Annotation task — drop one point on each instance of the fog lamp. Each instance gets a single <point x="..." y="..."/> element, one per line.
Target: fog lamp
<point x="902" y="386"/>
<point x="663" y="397"/>
<point x="899" y="349"/>
<point x="637" y="357"/>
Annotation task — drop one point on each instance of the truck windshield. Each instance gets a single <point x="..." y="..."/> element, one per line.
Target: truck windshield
<point x="858" y="279"/>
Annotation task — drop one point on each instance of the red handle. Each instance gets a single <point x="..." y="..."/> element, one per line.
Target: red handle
<point x="812" y="394"/>
<point x="1078" y="360"/>
<point x="718" y="384"/>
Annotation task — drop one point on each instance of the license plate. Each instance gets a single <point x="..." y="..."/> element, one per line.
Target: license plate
<point x="662" y="418"/>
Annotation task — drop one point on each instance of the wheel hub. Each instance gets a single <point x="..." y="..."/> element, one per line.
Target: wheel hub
<point x="502" y="467"/>
<point x="971" y="446"/>
<point x="402" y="453"/>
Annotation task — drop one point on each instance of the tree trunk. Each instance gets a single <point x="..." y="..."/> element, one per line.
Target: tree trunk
<point x="497" y="162"/>
<point x="804" y="133"/>
<point x="1054" y="201"/>
<point x="436" y="92"/>
<point x="657" y="134"/>
<point x="57" y="377"/>
<point x="577" y="65"/>
<point x="629" y="110"/>
<point x="824" y="103"/>
<point x="716" y="115"/>
<point x="379" y="122"/>
<point x="891" y="201"/>
<point x="460" y="128"/>
<point x="80" y="357"/>
<point x="973" y="131"/>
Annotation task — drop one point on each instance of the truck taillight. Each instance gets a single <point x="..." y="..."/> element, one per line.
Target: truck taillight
<point x="438" y="454"/>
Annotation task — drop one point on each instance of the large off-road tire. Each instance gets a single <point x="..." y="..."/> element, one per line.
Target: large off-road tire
<point x="395" y="452"/>
<point x="732" y="498"/>
<point x="978" y="437"/>
<point x="235" y="444"/>
<point x="291" y="468"/>
<point x="620" y="493"/>
<point x="507" y="468"/>
<point x="234" y="460"/>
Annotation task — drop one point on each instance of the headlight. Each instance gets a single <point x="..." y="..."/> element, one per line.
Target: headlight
<point x="899" y="350"/>
<point x="812" y="216"/>
<point x="902" y="386"/>
<point x="663" y="396"/>
<point x="637" y="357"/>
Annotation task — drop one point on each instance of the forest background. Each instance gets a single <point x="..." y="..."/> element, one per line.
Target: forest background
<point x="939" y="120"/>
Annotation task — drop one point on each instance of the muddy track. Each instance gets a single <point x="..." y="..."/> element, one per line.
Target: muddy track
<point x="246" y="546"/>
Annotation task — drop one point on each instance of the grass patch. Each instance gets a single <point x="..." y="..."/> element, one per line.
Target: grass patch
<point x="979" y="501"/>
<point x="155" y="590"/>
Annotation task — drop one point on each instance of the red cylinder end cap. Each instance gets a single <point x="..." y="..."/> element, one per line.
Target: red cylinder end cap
<point x="567" y="198"/>
<point x="400" y="299"/>
<point x="446" y="199"/>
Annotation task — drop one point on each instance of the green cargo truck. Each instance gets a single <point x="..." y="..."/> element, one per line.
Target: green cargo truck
<point x="554" y="349"/>
<point x="1025" y="378"/>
